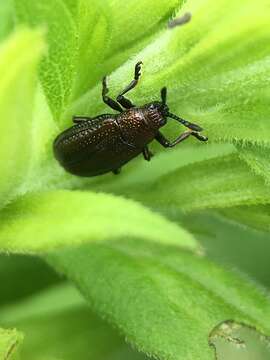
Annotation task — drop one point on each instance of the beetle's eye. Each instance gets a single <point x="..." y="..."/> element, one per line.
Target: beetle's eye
<point x="151" y="107"/>
<point x="163" y="121"/>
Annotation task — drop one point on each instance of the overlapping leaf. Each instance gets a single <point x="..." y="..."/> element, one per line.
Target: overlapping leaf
<point x="164" y="300"/>
<point x="81" y="217"/>
<point x="17" y="88"/>
<point x="104" y="43"/>
<point x="213" y="183"/>
<point x="226" y="238"/>
<point x="58" y="68"/>
<point x="257" y="217"/>
<point x="76" y="331"/>
<point x="257" y="157"/>
<point x="35" y="275"/>
<point x="215" y="68"/>
<point x="172" y="299"/>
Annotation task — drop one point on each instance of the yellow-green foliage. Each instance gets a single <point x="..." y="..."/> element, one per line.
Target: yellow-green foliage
<point x="134" y="244"/>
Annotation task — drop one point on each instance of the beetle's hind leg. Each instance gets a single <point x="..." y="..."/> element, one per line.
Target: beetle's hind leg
<point x="147" y="154"/>
<point x="126" y="103"/>
<point x="109" y="101"/>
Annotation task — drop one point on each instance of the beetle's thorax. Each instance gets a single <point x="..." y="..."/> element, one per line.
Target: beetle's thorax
<point x="138" y="126"/>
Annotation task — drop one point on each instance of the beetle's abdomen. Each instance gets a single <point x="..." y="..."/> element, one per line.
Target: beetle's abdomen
<point x="93" y="149"/>
<point x="77" y="142"/>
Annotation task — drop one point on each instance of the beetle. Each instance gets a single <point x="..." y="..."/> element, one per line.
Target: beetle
<point x="95" y="146"/>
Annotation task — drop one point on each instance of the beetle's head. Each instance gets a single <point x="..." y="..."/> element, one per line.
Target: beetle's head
<point x="158" y="112"/>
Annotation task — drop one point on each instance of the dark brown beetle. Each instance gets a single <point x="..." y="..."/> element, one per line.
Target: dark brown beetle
<point x="95" y="146"/>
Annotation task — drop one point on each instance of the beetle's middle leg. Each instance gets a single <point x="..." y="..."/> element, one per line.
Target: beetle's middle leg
<point x="109" y="101"/>
<point x="126" y="103"/>
<point x="147" y="154"/>
<point x="166" y="143"/>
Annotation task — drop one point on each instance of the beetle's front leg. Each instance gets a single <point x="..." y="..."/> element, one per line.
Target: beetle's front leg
<point x="109" y="101"/>
<point x="166" y="143"/>
<point x="126" y="103"/>
<point x="147" y="154"/>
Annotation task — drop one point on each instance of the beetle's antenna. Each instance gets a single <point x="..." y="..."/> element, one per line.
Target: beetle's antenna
<point x="185" y="122"/>
<point x="163" y="93"/>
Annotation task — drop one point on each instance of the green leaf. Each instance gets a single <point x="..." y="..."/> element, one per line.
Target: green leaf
<point x="76" y="31"/>
<point x="81" y="217"/>
<point x="211" y="79"/>
<point x="138" y="174"/>
<point x="219" y="182"/>
<point x="257" y="157"/>
<point x="133" y="20"/>
<point x="58" y="67"/>
<point x="164" y="300"/>
<point x="228" y="241"/>
<point x="112" y="30"/>
<point x="44" y="129"/>
<point x="58" y="324"/>
<point x="17" y="87"/>
<point x="93" y="21"/>
<point x="34" y="276"/>
<point x="10" y="341"/>
<point x="257" y="217"/>
<point x="6" y="16"/>
<point x="72" y="5"/>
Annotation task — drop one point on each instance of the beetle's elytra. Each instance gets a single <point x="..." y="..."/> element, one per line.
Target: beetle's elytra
<point x="95" y="146"/>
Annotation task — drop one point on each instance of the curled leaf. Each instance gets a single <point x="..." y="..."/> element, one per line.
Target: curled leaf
<point x="17" y="88"/>
<point x="81" y="217"/>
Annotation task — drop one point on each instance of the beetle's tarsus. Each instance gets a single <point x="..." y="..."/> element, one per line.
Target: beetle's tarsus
<point x="199" y="136"/>
<point x="147" y="154"/>
<point x="137" y="72"/>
